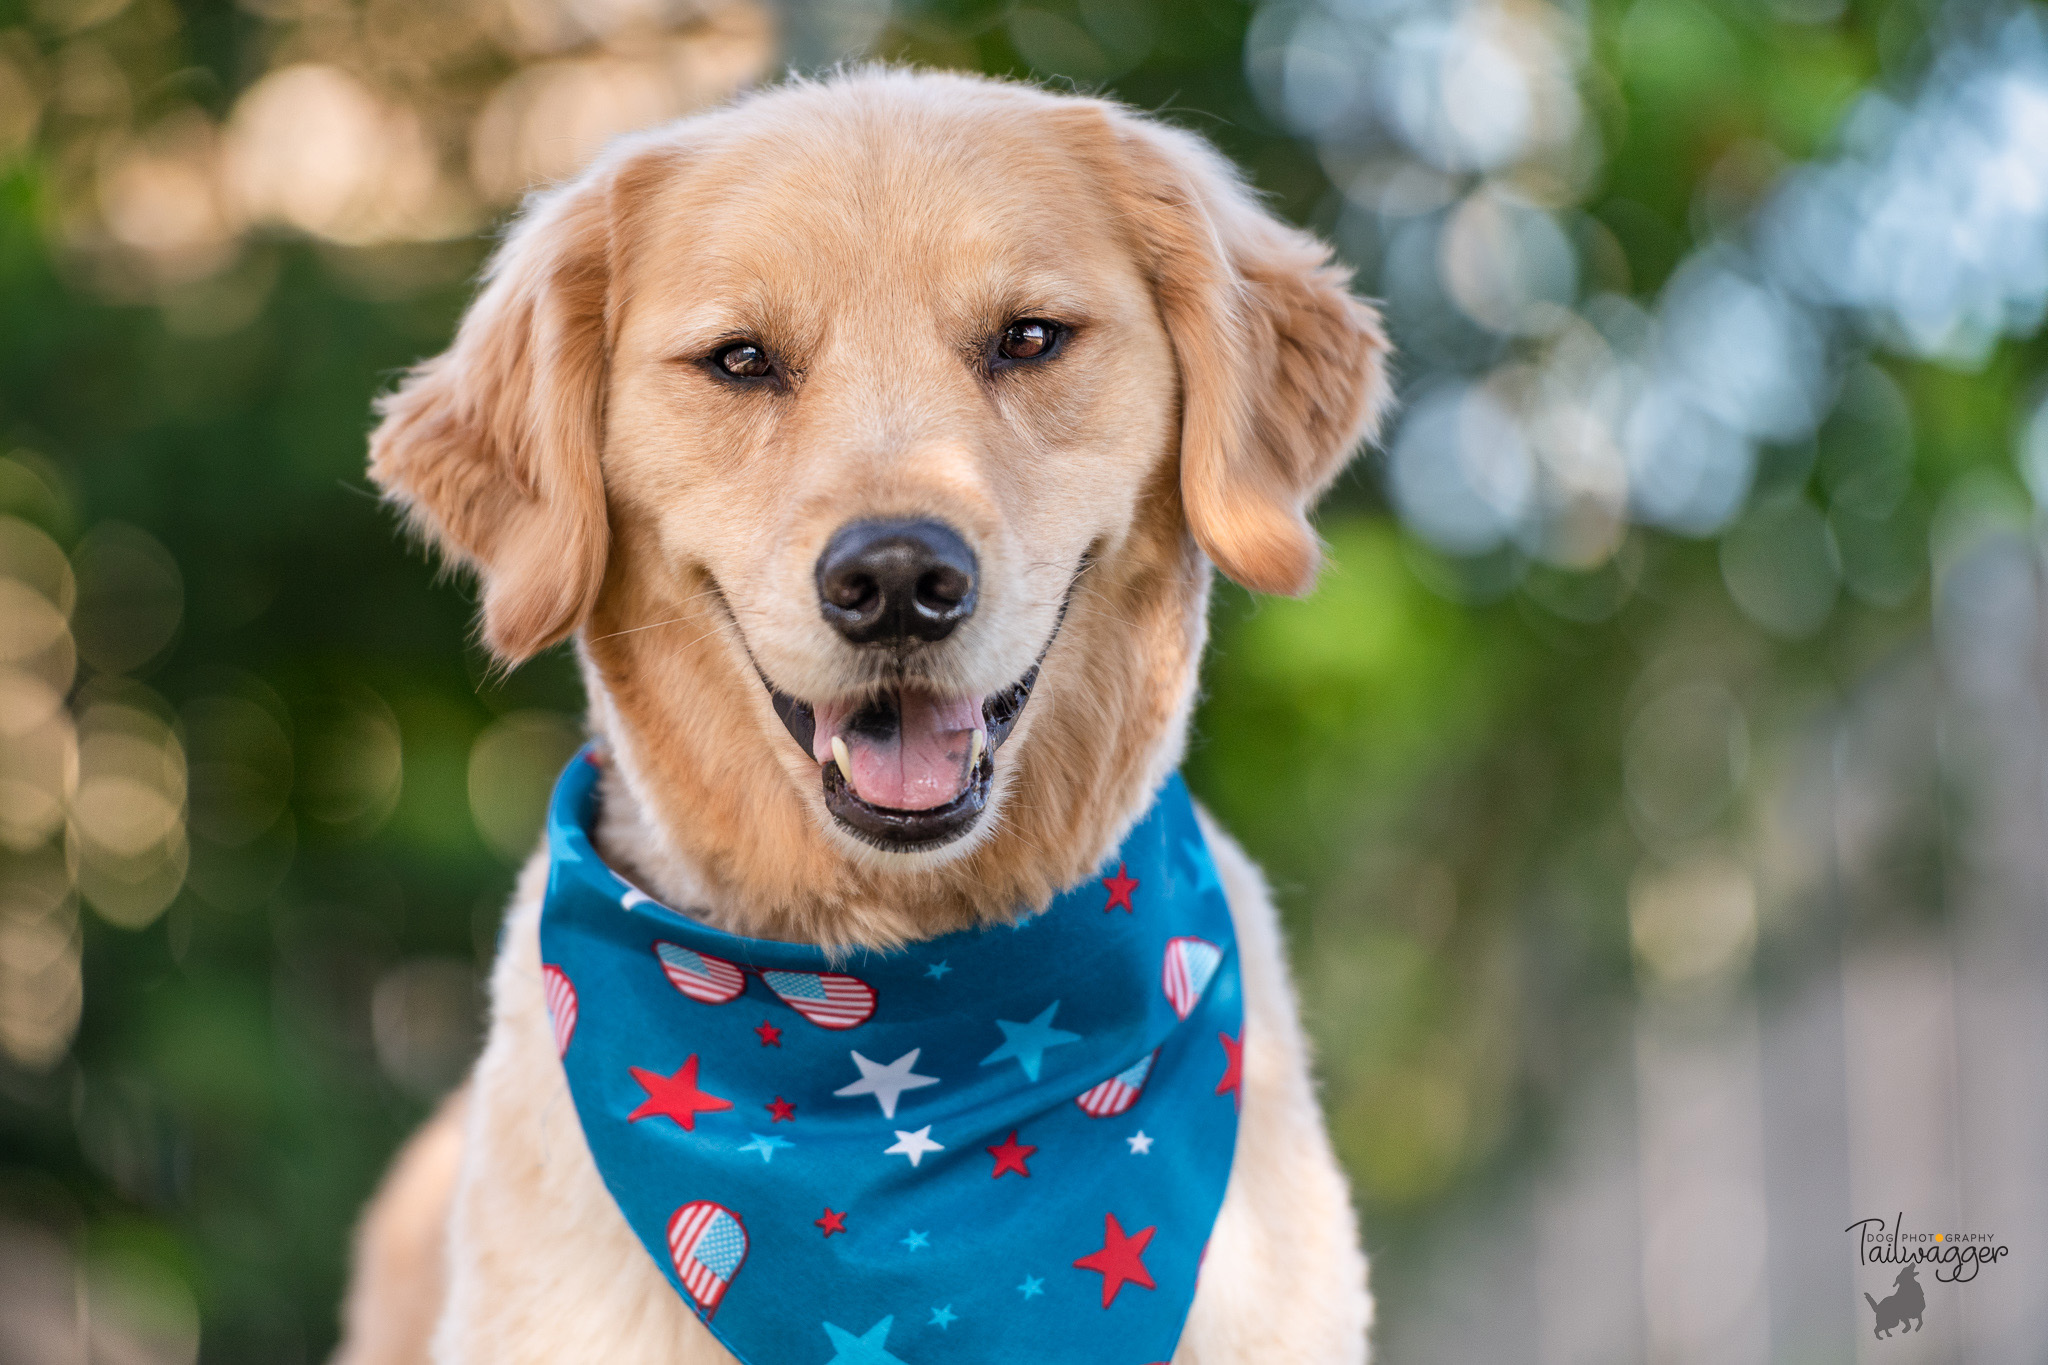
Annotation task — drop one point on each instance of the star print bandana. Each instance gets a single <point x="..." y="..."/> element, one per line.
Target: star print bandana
<point x="1003" y="1146"/>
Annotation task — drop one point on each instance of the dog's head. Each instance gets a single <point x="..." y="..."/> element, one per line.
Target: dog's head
<point x="869" y="436"/>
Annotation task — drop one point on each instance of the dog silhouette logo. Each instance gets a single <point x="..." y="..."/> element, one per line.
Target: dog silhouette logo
<point x="1903" y="1309"/>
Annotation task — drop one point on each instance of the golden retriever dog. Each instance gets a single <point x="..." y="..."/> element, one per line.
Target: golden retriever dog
<point x="1030" y="362"/>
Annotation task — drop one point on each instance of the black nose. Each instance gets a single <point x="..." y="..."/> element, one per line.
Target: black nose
<point x="891" y="582"/>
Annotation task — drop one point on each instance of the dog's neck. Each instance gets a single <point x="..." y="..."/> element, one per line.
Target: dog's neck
<point x="705" y="822"/>
<point x="632" y="842"/>
<point x="633" y="838"/>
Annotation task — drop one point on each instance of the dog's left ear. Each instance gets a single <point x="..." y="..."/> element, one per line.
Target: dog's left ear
<point x="1282" y="370"/>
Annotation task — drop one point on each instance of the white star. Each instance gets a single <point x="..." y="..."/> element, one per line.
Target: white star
<point x="914" y="1145"/>
<point x="1140" y="1144"/>
<point x="887" y="1083"/>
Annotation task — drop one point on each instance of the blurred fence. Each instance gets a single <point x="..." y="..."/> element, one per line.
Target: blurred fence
<point x="1884" y="1061"/>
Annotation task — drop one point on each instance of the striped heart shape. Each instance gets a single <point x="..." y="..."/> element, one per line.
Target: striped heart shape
<point x="710" y="980"/>
<point x="1190" y="963"/>
<point x="561" y="997"/>
<point x="1117" y="1094"/>
<point x="827" y="999"/>
<point x="708" y="1243"/>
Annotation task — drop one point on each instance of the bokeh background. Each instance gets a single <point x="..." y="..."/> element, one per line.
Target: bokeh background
<point x="1654" y="787"/>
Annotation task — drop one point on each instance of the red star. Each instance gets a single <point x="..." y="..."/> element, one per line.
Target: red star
<point x="771" y="1036"/>
<point x="1232" y="1083"/>
<point x="831" y="1222"/>
<point x="1118" y="1262"/>
<point x="784" y="1111"/>
<point x="1120" y="888"/>
<point x="676" y="1096"/>
<point x="1010" y="1156"/>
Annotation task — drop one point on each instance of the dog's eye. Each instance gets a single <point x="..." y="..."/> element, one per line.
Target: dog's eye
<point x="1028" y="339"/>
<point x="744" y="360"/>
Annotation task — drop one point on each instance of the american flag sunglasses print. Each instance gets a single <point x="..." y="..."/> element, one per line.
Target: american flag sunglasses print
<point x="827" y="999"/>
<point x="708" y="1243"/>
<point x="709" y="980"/>
<point x="561" y="998"/>
<point x="1190" y="963"/>
<point x="1117" y="1094"/>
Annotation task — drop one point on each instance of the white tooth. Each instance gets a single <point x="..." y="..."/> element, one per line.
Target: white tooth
<point x="974" y="748"/>
<point x="842" y="758"/>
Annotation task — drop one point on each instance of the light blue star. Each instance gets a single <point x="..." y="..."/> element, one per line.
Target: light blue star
<point x="937" y="970"/>
<point x="767" y="1145"/>
<point x="862" y="1350"/>
<point x="1032" y="1287"/>
<point x="917" y="1241"/>
<point x="1205" y="866"/>
<point x="943" y="1317"/>
<point x="1028" y="1042"/>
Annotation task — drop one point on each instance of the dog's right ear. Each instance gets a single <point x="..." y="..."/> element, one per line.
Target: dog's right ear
<point x="492" y="446"/>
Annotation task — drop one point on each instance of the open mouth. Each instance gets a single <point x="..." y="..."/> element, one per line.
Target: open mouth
<point x="907" y="769"/>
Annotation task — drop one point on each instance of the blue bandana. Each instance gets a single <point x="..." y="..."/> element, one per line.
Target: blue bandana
<point x="1002" y="1146"/>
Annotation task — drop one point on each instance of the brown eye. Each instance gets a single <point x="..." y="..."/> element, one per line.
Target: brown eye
<point x="1028" y="339"/>
<point x="745" y="360"/>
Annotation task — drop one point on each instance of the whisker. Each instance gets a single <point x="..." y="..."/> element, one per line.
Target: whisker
<point x="635" y="630"/>
<point x="699" y="640"/>
<point x="1028" y="841"/>
<point x="654" y="625"/>
<point x="1094" y="605"/>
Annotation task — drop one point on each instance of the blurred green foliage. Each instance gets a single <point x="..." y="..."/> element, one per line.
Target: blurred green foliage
<point x="1427" y="755"/>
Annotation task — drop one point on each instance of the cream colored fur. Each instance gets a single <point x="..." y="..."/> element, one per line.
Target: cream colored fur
<point x="874" y="231"/>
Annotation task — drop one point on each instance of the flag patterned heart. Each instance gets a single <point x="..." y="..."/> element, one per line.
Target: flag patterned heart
<point x="1117" y="1094"/>
<point x="1190" y="962"/>
<point x="827" y="999"/>
<point x="561" y="998"/>
<point x="710" y="980"/>
<point x="708" y="1242"/>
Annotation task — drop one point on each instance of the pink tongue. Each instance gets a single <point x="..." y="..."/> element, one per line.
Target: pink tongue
<point x="921" y="764"/>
